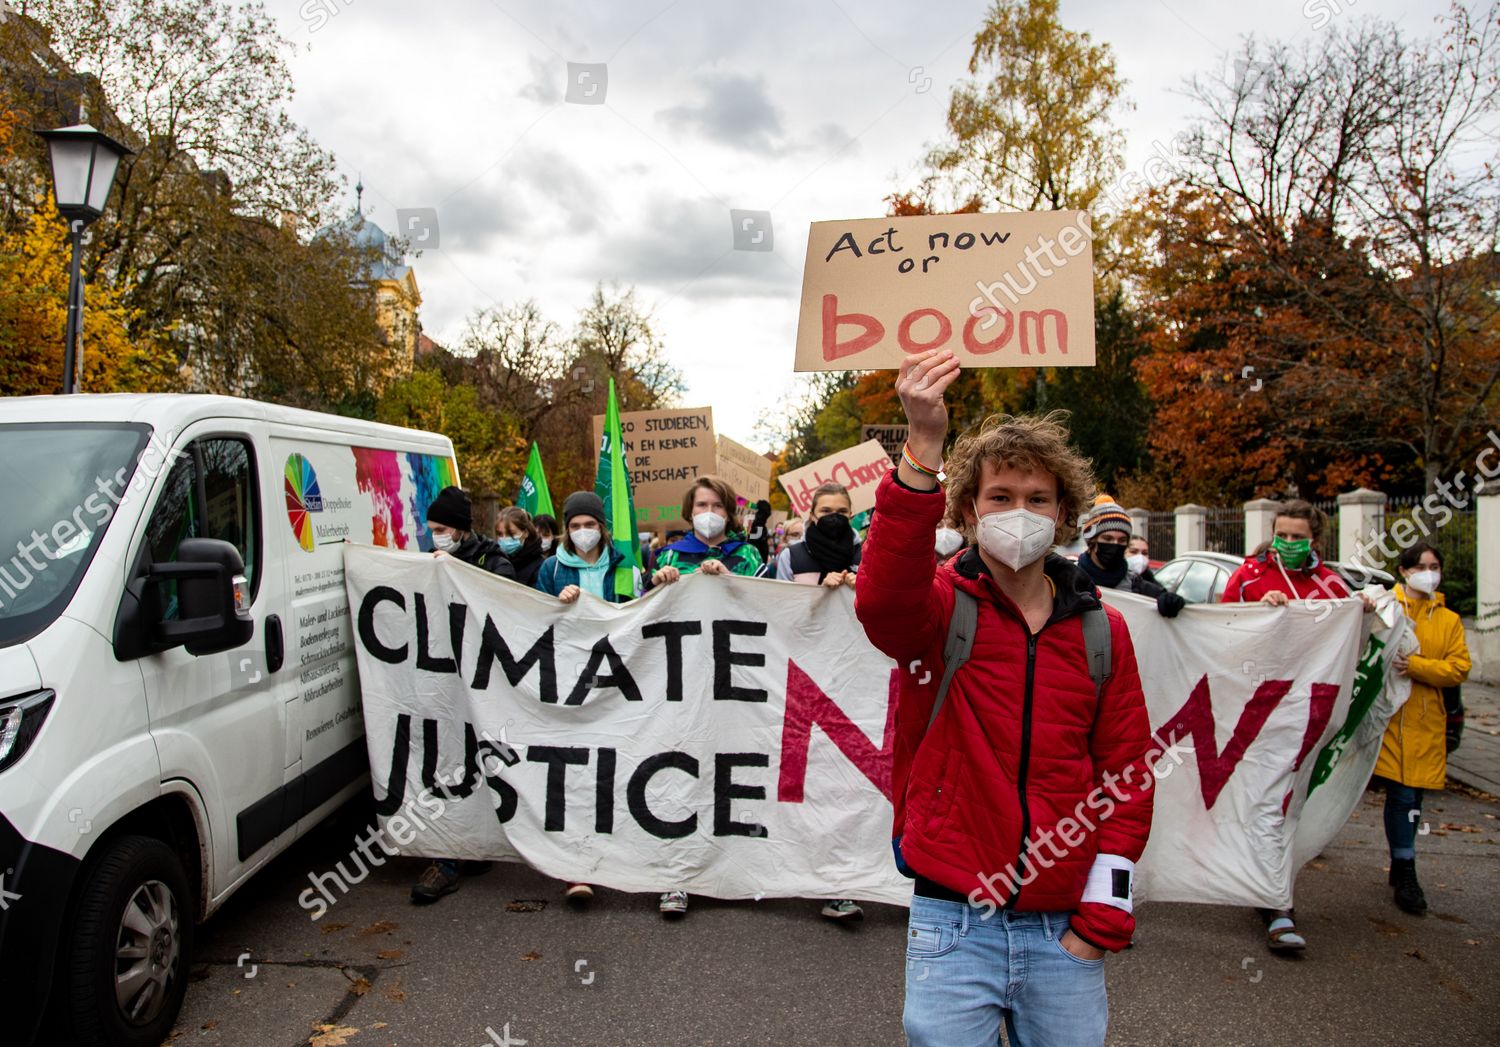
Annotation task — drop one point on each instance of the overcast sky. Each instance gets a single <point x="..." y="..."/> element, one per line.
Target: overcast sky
<point x="808" y="109"/>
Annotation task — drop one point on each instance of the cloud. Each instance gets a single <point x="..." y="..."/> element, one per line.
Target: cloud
<point x="685" y="247"/>
<point x="545" y="85"/>
<point x="734" y="111"/>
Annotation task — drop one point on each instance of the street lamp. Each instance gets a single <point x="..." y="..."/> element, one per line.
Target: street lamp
<point x="84" y="162"/>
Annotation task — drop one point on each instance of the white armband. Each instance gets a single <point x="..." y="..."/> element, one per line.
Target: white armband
<point x="1111" y="882"/>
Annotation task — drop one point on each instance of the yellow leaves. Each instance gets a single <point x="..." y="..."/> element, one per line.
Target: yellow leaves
<point x="33" y="320"/>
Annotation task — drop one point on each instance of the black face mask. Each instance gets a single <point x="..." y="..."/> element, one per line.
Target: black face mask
<point x="1107" y="555"/>
<point x="834" y="526"/>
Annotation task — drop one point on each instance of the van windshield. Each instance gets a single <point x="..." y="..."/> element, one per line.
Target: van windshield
<point x="61" y="484"/>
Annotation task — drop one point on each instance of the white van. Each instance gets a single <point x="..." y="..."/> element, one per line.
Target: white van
<point x="178" y="693"/>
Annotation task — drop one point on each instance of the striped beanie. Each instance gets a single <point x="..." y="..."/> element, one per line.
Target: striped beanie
<point x="1106" y="515"/>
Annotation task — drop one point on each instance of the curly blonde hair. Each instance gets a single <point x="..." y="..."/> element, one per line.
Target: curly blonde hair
<point x="1028" y="442"/>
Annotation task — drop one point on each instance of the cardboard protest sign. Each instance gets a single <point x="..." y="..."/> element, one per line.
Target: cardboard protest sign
<point x="999" y="290"/>
<point x="666" y="450"/>
<point x="859" y="468"/>
<point x="891" y="437"/>
<point x="748" y="472"/>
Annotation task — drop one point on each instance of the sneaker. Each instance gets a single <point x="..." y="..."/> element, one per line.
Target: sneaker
<point x="1409" y="896"/>
<point x="843" y="909"/>
<point x="1281" y="932"/>
<point x="433" y="884"/>
<point x="674" y="904"/>
<point x="579" y="894"/>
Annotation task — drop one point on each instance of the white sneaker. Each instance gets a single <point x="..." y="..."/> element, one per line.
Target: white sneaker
<point x="674" y="904"/>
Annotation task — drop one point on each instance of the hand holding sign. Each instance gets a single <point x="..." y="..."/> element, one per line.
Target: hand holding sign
<point x="921" y="383"/>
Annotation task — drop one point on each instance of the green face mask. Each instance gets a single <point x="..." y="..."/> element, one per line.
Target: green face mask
<point x="1292" y="554"/>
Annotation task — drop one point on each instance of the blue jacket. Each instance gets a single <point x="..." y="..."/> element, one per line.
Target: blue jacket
<point x="556" y="576"/>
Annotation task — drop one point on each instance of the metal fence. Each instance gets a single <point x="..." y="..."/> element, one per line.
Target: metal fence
<point x="1225" y="531"/>
<point x="1161" y="532"/>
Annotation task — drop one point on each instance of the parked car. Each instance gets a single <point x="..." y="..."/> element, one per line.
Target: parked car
<point x="1200" y="577"/>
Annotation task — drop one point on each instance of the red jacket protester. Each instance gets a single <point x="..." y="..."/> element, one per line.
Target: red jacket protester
<point x="1004" y="799"/>
<point x="1261" y="574"/>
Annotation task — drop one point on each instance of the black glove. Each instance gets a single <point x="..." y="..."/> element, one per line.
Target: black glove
<point x="1454" y="704"/>
<point x="1169" y="603"/>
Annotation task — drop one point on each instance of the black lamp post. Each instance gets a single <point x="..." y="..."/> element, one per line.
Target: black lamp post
<point x="84" y="162"/>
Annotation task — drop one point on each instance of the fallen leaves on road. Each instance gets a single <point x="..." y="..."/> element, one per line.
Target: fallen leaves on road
<point x="532" y="955"/>
<point x="526" y="905"/>
<point x="1386" y="928"/>
<point x="394" y="993"/>
<point x="1472" y="941"/>
<point x="359" y="986"/>
<point x="1456" y="827"/>
<point x="332" y="928"/>
<point x="389" y="954"/>
<point x="379" y="927"/>
<point x="325" y="1035"/>
<point x="210" y="1024"/>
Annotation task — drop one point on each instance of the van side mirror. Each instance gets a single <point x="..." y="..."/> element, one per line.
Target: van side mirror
<point x="213" y="598"/>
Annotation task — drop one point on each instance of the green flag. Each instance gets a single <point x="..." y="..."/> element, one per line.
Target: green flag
<point x="534" y="495"/>
<point x="612" y="485"/>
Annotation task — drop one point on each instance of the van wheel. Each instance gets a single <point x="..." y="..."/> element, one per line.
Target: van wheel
<point x="124" y="963"/>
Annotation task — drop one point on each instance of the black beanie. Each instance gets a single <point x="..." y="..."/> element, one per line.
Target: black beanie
<point x="583" y="503"/>
<point x="451" y="509"/>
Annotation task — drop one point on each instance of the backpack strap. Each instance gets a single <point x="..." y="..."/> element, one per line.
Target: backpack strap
<point x="958" y="646"/>
<point x="1098" y="645"/>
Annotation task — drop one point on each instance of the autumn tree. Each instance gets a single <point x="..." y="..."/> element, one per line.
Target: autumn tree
<point x="489" y="446"/>
<point x="1343" y="214"/>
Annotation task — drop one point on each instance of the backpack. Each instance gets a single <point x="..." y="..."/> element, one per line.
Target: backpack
<point x="960" y="644"/>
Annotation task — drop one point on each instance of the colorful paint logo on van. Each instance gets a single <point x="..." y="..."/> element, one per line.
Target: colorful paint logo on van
<point x="401" y="486"/>
<point x="302" y="499"/>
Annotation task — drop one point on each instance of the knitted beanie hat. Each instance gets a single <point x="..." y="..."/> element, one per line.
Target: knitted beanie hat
<point x="1106" y="515"/>
<point x="451" y="509"/>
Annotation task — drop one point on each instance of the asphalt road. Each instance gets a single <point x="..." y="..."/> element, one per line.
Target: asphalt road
<point x="506" y="954"/>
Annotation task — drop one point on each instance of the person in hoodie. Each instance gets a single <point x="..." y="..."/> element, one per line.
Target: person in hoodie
<point x="450" y="520"/>
<point x="1106" y="532"/>
<point x="586" y="558"/>
<point x="1414" y="752"/>
<point x="585" y="562"/>
<point x="711" y="547"/>
<point x="517" y="537"/>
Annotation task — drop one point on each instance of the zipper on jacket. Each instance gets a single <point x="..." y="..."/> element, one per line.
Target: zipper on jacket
<point x="1025" y="764"/>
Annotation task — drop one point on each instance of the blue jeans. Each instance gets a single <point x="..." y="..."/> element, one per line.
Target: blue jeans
<point x="1403" y="807"/>
<point x="965" y="974"/>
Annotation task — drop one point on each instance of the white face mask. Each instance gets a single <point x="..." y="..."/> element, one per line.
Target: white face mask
<point x="1425" y="581"/>
<point x="709" y="525"/>
<point x="1016" y="537"/>
<point x="948" y="541"/>
<point x="443" y="542"/>
<point x="1137" y="563"/>
<point x="546" y="545"/>
<point x="585" y="538"/>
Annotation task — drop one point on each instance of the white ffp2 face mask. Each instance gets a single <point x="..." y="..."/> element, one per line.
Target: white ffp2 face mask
<point x="1016" y="537"/>
<point x="709" y="525"/>
<point x="1136" y="563"/>
<point x="585" y="538"/>
<point x="947" y="541"/>
<point x="1425" y="581"/>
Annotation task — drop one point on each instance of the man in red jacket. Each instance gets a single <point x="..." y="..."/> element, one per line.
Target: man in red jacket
<point x="1022" y="809"/>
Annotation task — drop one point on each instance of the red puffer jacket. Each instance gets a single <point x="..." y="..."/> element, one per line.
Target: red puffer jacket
<point x="1259" y="575"/>
<point x="1028" y="792"/>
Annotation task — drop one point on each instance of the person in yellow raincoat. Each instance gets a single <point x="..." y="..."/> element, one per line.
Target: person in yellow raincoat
<point x="1414" y="753"/>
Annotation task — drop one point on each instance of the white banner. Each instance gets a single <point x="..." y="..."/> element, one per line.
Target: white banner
<point x="722" y="736"/>
<point x="732" y="737"/>
<point x="1266" y="755"/>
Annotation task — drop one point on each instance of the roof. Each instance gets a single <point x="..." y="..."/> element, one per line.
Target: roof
<point x="387" y="261"/>
<point x="172" y="412"/>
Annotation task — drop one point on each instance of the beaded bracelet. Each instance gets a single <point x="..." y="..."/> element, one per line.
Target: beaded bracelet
<point x="911" y="460"/>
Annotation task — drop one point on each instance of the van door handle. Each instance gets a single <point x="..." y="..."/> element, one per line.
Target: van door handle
<point x="275" y="649"/>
